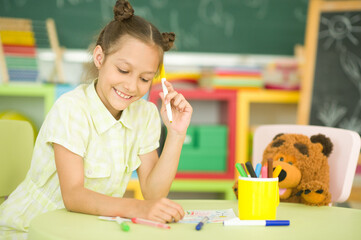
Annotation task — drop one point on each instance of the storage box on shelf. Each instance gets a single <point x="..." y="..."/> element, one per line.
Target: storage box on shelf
<point x="244" y="101"/>
<point x="204" y="149"/>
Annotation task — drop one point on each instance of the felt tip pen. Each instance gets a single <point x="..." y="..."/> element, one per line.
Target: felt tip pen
<point x="270" y="167"/>
<point x="245" y="169"/>
<point x="165" y="91"/>
<point x="241" y="170"/>
<point x="250" y="169"/>
<point x="277" y="171"/>
<point x="124" y="225"/>
<point x="201" y="223"/>
<point x="264" y="171"/>
<point x="258" y="169"/>
<point x="150" y="223"/>
<point x="267" y="223"/>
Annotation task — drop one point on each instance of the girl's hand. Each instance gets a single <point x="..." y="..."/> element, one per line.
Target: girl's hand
<point x="161" y="210"/>
<point x="181" y="110"/>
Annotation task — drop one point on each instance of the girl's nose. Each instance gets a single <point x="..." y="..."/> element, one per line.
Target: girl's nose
<point x="131" y="84"/>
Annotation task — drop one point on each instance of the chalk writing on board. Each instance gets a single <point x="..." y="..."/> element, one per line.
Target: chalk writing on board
<point x="339" y="28"/>
<point x="7" y="4"/>
<point x="187" y="38"/>
<point x="339" y="35"/>
<point x="260" y="5"/>
<point x="63" y="3"/>
<point x="301" y="13"/>
<point x="211" y="12"/>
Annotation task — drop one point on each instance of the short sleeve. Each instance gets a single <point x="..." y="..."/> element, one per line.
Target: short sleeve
<point x="67" y="124"/>
<point x="151" y="130"/>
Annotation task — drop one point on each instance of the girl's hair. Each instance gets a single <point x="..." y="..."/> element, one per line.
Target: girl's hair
<point x="125" y="23"/>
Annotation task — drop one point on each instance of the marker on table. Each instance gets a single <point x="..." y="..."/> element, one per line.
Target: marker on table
<point x="201" y="223"/>
<point x="241" y="170"/>
<point x="258" y="169"/>
<point x="250" y="169"/>
<point x="165" y="91"/>
<point x="267" y="223"/>
<point x="277" y="171"/>
<point x="124" y="225"/>
<point x="150" y="223"/>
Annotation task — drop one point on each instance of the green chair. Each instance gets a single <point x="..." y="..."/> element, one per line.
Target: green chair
<point x="16" y="149"/>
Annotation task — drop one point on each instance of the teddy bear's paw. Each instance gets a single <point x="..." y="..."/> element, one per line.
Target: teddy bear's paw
<point x="314" y="193"/>
<point x="310" y="196"/>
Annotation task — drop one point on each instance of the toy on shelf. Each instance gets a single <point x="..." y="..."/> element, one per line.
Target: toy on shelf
<point x="19" y="40"/>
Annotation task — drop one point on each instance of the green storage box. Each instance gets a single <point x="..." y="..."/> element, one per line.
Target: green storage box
<point x="205" y="149"/>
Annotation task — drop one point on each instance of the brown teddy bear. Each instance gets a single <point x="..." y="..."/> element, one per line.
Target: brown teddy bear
<point x="305" y="171"/>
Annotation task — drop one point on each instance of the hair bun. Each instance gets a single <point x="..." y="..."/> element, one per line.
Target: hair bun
<point x="122" y="10"/>
<point x="168" y="40"/>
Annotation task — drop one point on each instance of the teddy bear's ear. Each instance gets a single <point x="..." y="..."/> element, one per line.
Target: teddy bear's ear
<point x="325" y="142"/>
<point x="278" y="135"/>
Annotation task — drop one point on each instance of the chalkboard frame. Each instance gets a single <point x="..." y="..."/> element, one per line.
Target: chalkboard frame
<point x="315" y="9"/>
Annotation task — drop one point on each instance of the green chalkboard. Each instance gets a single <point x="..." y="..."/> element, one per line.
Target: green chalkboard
<point x="222" y="26"/>
<point x="336" y="95"/>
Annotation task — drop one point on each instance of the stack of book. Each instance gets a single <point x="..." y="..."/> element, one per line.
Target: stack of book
<point x="180" y="79"/>
<point x="249" y="77"/>
<point x="18" y="49"/>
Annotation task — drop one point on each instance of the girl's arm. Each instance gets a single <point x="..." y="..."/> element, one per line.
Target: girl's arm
<point x="156" y="175"/>
<point x="77" y="198"/>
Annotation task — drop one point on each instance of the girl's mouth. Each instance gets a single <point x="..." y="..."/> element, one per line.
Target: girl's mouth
<point x="122" y="95"/>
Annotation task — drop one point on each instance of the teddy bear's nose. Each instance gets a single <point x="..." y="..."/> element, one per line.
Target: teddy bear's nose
<point x="282" y="175"/>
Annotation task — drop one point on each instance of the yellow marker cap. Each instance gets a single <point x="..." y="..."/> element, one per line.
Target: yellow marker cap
<point x="162" y="71"/>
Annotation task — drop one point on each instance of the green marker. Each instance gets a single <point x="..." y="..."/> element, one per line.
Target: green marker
<point x="241" y="170"/>
<point x="124" y="225"/>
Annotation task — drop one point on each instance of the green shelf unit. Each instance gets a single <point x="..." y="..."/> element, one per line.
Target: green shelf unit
<point x="32" y="99"/>
<point x="47" y="91"/>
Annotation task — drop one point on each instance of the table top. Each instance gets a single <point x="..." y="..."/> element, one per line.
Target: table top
<point x="306" y="222"/>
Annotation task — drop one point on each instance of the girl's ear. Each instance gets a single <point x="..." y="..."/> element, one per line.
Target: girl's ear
<point x="98" y="56"/>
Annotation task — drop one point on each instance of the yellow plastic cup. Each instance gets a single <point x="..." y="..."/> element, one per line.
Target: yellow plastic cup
<point x="258" y="198"/>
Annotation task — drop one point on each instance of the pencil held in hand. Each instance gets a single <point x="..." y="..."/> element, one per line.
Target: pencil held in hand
<point x="165" y="91"/>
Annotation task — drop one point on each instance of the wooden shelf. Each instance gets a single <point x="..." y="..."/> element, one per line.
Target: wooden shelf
<point x="244" y="100"/>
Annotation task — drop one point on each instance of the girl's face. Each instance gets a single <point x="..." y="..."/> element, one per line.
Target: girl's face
<point x="127" y="74"/>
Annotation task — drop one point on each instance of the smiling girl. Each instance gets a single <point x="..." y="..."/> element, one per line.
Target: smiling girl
<point x="95" y="136"/>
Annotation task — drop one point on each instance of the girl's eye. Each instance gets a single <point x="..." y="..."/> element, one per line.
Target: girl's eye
<point x="144" y="80"/>
<point x="122" y="71"/>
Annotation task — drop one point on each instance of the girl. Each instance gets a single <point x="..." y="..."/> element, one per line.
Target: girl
<point x="96" y="135"/>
